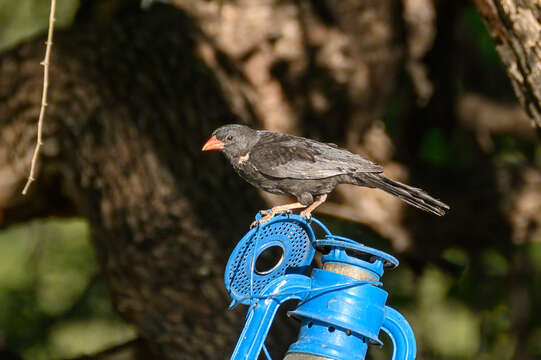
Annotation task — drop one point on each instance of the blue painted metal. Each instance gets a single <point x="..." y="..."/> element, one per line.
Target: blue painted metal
<point x="290" y="232"/>
<point x="343" y="311"/>
<point x="340" y="316"/>
<point x="401" y="334"/>
<point x="262" y="312"/>
<point x="355" y="314"/>
<point x="366" y="258"/>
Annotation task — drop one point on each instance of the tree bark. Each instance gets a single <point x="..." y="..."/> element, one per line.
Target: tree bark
<point x="130" y="105"/>
<point x="515" y="26"/>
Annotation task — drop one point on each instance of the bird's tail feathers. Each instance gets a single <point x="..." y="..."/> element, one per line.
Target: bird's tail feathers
<point x="406" y="193"/>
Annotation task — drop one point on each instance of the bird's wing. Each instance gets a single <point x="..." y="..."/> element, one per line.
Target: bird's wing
<point x="286" y="156"/>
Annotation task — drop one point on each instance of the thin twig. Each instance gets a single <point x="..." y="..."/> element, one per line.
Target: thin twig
<point x="45" y="63"/>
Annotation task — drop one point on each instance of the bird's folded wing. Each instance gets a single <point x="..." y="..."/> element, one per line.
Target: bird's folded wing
<point x="299" y="158"/>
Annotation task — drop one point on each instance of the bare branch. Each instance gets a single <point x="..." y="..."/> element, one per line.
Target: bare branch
<point x="45" y="63"/>
<point x="420" y="20"/>
<point x="487" y="117"/>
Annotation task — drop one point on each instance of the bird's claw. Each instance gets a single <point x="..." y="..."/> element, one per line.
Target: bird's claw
<point x="254" y="224"/>
<point x="268" y="216"/>
<point x="267" y="212"/>
<point x="306" y="215"/>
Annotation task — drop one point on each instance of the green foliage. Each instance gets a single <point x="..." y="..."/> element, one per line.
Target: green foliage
<point x="434" y="148"/>
<point x="443" y="150"/>
<point x="53" y="302"/>
<point x="22" y="19"/>
<point x="509" y="151"/>
<point x="481" y="37"/>
<point x="456" y="325"/>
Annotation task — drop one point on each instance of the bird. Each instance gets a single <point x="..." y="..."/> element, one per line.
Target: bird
<point x="307" y="169"/>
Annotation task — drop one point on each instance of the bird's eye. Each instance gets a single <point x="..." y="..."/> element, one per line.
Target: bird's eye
<point x="230" y="137"/>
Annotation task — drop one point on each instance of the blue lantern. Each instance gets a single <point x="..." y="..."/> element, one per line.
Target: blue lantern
<point x="341" y="305"/>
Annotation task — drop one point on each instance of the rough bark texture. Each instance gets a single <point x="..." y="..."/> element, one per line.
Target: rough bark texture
<point x="317" y="68"/>
<point x="420" y="20"/>
<point x="160" y="227"/>
<point x="515" y="26"/>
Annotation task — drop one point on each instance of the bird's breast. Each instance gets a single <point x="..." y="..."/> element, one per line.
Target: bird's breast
<point x="249" y="172"/>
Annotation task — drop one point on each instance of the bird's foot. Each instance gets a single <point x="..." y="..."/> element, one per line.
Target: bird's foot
<point x="307" y="214"/>
<point x="268" y="215"/>
<point x="266" y="212"/>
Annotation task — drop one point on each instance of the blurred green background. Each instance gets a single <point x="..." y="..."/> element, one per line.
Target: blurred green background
<point x="23" y="19"/>
<point x="55" y="305"/>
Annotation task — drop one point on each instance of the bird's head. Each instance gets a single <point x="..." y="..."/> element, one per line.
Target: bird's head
<point x="233" y="140"/>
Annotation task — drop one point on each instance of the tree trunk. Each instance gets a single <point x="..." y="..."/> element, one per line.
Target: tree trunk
<point x="130" y="106"/>
<point x="515" y="26"/>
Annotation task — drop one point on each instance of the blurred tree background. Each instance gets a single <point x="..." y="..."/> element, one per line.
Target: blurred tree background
<point x="118" y="251"/>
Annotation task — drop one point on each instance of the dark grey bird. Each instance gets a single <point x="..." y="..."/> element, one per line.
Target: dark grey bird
<point x="307" y="169"/>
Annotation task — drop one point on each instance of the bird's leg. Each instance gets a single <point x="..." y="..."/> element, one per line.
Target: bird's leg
<point x="276" y="210"/>
<point x="281" y="208"/>
<point x="307" y="213"/>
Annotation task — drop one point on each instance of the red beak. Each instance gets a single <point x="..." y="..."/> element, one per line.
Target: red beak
<point x="213" y="144"/>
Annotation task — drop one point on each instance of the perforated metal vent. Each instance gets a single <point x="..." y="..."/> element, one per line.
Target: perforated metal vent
<point x="291" y="233"/>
